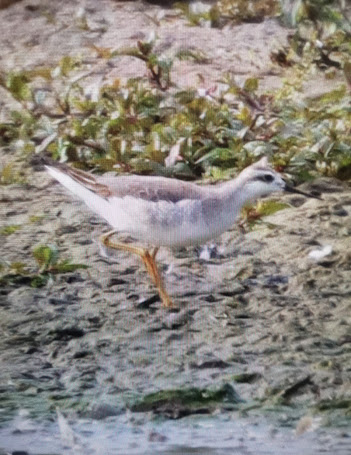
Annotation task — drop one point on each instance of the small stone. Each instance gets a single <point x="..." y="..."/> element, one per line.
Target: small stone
<point x="69" y="229"/>
<point x="58" y="301"/>
<point x="148" y="301"/>
<point x="154" y="436"/>
<point x="211" y="363"/>
<point x="303" y="425"/>
<point x="115" y="281"/>
<point x="232" y="289"/>
<point x="175" y="320"/>
<point x="74" y="277"/>
<point x="84" y="242"/>
<point x="104" y="410"/>
<point x="340" y="212"/>
<point x="67" y="333"/>
<point x="30" y="350"/>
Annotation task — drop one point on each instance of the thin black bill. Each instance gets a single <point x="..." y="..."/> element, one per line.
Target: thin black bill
<point x="291" y="189"/>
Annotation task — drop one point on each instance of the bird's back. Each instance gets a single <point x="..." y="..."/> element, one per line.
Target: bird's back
<point x="152" y="189"/>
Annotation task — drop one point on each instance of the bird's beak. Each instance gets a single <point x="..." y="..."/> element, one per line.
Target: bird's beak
<point x="291" y="189"/>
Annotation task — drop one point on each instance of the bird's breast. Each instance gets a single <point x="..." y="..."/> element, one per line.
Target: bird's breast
<point x="184" y="223"/>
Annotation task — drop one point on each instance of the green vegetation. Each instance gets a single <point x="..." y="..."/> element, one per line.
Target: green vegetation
<point x="180" y="402"/>
<point x="48" y="265"/>
<point x="36" y="218"/>
<point x="9" y="175"/>
<point x="253" y="214"/>
<point x="10" y="229"/>
<point x="149" y="126"/>
<point x="223" y="12"/>
<point x="331" y="404"/>
<point x="321" y="13"/>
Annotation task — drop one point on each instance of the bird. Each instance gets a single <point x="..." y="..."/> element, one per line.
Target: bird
<point x="164" y="212"/>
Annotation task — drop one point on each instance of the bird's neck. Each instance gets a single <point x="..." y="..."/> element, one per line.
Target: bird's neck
<point x="235" y="195"/>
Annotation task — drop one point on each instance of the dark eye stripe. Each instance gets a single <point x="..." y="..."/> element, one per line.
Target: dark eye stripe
<point x="265" y="178"/>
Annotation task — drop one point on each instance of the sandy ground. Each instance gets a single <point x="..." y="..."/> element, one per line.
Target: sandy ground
<point x="260" y="314"/>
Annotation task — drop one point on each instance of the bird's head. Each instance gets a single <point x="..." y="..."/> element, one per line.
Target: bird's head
<point x="260" y="179"/>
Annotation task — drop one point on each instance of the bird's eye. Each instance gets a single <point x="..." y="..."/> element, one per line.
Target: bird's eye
<point x="267" y="178"/>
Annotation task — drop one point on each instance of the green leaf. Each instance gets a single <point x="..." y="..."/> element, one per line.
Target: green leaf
<point x="251" y="84"/>
<point x="39" y="281"/>
<point x="10" y="229"/>
<point x="130" y="52"/>
<point x="46" y="256"/>
<point x="8" y="176"/>
<point x="333" y="96"/>
<point x="17" y="84"/>
<point x="217" y="155"/>
<point x="185" y="96"/>
<point x="245" y="116"/>
<point x="18" y="268"/>
<point x="67" y="64"/>
<point x="197" y="55"/>
<point x="36" y="218"/>
<point x="66" y="266"/>
<point x="266" y="208"/>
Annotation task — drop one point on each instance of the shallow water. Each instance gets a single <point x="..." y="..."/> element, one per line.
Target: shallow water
<point x="135" y="434"/>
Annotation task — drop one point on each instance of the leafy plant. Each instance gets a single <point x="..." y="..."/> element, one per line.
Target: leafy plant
<point x="10" y="229"/>
<point x="159" y="67"/>
<point x="199" y="13"/>
<point x="9" y="175"/>
<point x="149" y="126"/>
<point x="252" y="215"/>
<point x="36" y="218"/>
<point x="47" y="259"/>
<point x="224" y="11"/>
<point x="248" y="10"/>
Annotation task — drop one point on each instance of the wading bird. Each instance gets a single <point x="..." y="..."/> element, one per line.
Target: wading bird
<point x="158" y="211"/>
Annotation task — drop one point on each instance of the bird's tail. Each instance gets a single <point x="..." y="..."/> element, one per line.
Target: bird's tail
<point x="95" y="202"/>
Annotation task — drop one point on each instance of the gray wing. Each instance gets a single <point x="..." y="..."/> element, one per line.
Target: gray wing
<point x="153" y="189"/>
<point x="149" y="188"/>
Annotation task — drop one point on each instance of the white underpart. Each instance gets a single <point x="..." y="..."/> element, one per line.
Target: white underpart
<point x="163" y="222"/>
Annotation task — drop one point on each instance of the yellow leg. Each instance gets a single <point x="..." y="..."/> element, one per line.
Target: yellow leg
<point x="149" y="261"/>
<point x="152" y="268"/>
